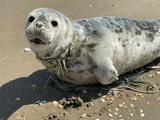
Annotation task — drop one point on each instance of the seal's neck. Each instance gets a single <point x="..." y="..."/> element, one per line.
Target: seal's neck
<point x="73" y="37"/>
<point x="59" y="52"/>
<point x="61" y="49"/>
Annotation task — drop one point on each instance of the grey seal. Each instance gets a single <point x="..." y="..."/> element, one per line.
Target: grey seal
<point x="90" y="51"/>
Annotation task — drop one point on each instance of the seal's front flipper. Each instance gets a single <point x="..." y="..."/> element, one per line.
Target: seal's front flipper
<point x="106" y="73"/>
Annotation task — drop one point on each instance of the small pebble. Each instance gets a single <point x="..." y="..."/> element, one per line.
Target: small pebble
<point x="60" y="106"/>
<point x="140" y="95"/>
<point x="97" y="119"/>
<point x="158" y="72"/>
<point x="131" y="105"/>
<point x="17" y="99"/>
<point x="120" y="105"/>
<point x="91" y="104"/>
<point x="84" y="115"/>
<point x="142" y="115"/>
<point x="27" y="50"/>
<point x="125" y="106"/>
<point x="110" y="115"/>
<point x="104" y="96"/>
<point x="33" y="85"/>
<point x="148" y="103"/>
<point x="123" y="103"/>
<point x="111" y="98"/>
<point x="40" y="104"/>
<point x="116" y="109"/>
<point x="37" y="102"/>
<point x="55" y="103"/>
<point x="158" y="98"/>
<point x="131" y="114"/>
<point x="103" y="100"/>
<point x="115" y="92"/>
<point x="141" y="110"/>
<point x="116" y="113"/>
<point x="134" y="98"/>
<point x="151" y="76"/>
<point x="109" y="110"/>
<point x="43" y="101"/>
<point x="107" y="98"/>
<point x="84" y="91"/>
<point x="90" y="5"/>
<point x="99" y="94"/>
<point x="110" y="102"/>
<point x="20" y="117"/>
<point x="120" y="115"/>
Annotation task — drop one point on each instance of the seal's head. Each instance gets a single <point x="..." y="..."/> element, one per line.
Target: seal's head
<point x="48" y="30"/>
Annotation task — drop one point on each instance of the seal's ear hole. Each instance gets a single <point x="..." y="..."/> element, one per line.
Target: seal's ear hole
<point x="31" y="19"/>
<point x="54" y="23"/>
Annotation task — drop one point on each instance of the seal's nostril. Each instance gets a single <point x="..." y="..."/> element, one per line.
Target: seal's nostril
<point x="39" y="25"/>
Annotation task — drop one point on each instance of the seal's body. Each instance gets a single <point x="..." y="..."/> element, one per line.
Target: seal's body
<point x="90" y="51"/>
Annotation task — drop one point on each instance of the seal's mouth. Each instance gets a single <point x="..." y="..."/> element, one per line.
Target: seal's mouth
<point x="39" y="41"/>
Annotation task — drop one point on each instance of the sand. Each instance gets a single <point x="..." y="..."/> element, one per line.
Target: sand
<point x="22" y="79"/>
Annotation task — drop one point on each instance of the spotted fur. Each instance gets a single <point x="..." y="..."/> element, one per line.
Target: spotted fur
<point x="88" y="51"/>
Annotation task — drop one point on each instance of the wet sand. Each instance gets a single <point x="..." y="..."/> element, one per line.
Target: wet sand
<point x="22" y="77"/>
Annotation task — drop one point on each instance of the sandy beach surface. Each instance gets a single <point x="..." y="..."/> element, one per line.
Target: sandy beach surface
<point x="23" y="94"/>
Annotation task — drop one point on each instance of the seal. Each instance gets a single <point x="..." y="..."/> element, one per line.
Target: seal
<point x="90" y="51"/>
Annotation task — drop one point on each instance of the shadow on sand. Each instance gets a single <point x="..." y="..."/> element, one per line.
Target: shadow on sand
<point x="22" y="88"/>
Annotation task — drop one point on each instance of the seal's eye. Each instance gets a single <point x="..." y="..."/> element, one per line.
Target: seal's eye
<point x="31" y="19"/>
<point x="54" y="23"/>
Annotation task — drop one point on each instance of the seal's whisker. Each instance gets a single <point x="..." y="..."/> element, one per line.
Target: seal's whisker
<point x="64" y="65"/>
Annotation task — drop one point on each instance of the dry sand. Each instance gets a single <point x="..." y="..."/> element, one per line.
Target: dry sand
<point x="22" y="78"/>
